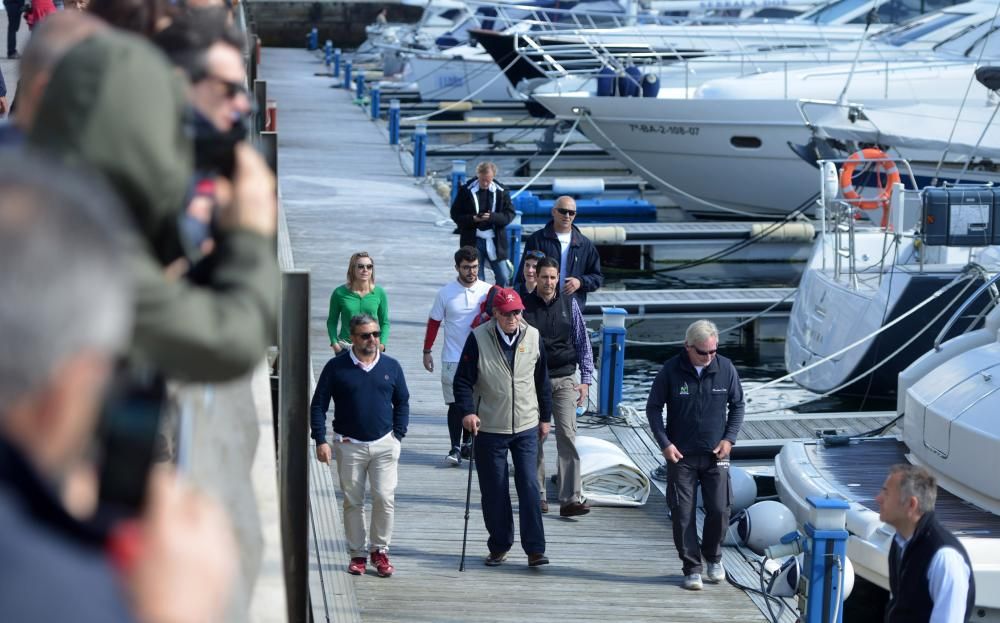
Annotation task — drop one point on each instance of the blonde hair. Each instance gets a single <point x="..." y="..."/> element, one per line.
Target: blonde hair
<point x="351" y="269"/>
<point x="483" y="167"/>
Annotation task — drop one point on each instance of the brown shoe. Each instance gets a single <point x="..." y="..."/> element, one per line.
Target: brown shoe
<point x="537" y="560"/>
<point x="545" y="506"/>
<point x="574" y="509"/>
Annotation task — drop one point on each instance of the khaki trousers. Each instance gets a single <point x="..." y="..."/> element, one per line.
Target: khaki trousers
<point x="377" y="463"/>
<point x="564" y="398"/>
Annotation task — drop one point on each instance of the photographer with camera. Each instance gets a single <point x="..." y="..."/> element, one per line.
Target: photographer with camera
<point x="66" y="316"/>
<point x="113" y="104"/>
<point x="207" y="48"/>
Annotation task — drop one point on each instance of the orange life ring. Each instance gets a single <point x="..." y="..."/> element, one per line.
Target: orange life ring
<point x="888" y="168"/>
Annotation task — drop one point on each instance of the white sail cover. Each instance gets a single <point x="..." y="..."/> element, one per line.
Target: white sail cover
<point x="608" y="475"/>
<point x="920" y="126"/>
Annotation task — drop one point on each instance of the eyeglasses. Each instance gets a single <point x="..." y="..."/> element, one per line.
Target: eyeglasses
<point x="468" y="267"/>
<point x="516" y="312"/>
<point x="368" y="335"/>
<point x="705" y="353"/>
<point x="232" y="87"/>
<point x="566" y="212"/>
<point x="364" y="266"/>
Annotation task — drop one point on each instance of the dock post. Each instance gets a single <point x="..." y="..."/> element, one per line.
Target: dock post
<point x="336" y="62"/>
<point x="612" y="359"/>
<point x="457" y="178"/>
<point x="293" y="443"/>
<point x="359" y="81"/>
<point x="313" y="39"/>
<point x="328" y="53"/>
<point x="420" y="150"/>
<point x="347" y="75"/>
<point x="376" y="102"/>
<point x="515" y="230"/>
<point x="824" y="561"/>
<point x="394" y="122"/>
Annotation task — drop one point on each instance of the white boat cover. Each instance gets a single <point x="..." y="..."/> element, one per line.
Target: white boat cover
<point x="919" y="126"/>
<point x="608" y="475"/>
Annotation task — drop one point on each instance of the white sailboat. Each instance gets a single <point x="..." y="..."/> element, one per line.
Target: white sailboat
<point x="566" y="46"/>
<point x="726" y="147"/>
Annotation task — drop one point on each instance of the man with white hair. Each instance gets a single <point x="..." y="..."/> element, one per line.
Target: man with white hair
<point x="66" y="314"/>
<point x="704" y="401"/>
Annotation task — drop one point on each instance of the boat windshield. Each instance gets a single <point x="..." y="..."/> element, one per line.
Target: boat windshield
<point x="987" y="48"/>
<point x="917" y="28"/>
<point x="831" y="11"/>
<point x="963" y="42"/>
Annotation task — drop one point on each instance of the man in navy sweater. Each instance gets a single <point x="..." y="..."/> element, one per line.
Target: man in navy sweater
<point x="371" y="412"/>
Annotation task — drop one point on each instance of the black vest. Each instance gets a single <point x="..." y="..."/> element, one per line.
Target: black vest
<point x="910" y="597"/>
<point x="554" y="322"/>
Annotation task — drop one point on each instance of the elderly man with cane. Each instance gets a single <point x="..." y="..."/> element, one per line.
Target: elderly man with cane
<point x="502" y="384"/>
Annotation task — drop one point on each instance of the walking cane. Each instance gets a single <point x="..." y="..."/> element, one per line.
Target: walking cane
<point x="468" y="502"/>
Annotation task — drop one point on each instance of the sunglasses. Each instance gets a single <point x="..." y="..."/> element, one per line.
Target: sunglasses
<point x="516" y="312"/>
<point x="364" y="266"/>
<point x="536" y="255"/>
<point x="566" y="212"/>
<point x="705" y="353"/>
<point x="232" y="88"/>
<point x="369" y="335"/>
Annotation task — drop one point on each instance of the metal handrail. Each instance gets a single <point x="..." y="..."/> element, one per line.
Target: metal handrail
<point x="961" y="310"/>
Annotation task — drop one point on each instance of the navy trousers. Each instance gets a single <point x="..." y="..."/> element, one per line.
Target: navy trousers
<point x="716" y="492"/>
<point x="14" y="10"/>
<point x="494" y="485"/>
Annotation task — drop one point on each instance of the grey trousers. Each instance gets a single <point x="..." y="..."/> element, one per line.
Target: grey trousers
<point x="564" y="398"/>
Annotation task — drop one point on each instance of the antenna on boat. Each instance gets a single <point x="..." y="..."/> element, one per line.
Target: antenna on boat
<point x="870" y="19"/>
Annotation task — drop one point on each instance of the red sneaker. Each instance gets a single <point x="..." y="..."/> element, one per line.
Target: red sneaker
<point x="357" y="566"/>
<point x="382" y="565"/>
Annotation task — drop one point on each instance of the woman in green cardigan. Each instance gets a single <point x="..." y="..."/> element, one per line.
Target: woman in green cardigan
<point x="359" y="294"/>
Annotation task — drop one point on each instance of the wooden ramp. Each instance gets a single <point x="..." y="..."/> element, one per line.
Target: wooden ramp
<point x="343" y="190"/>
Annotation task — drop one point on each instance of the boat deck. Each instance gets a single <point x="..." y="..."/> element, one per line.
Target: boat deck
<point x="344" y="190"/>
<point x="859" y="477"/>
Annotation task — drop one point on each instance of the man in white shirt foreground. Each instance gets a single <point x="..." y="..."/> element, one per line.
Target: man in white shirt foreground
<point x="930" y="576"/>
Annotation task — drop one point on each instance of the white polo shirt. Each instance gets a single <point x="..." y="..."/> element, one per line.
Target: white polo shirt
<point x="455" y="307"/>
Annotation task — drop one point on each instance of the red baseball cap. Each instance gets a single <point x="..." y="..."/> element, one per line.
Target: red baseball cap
<point x="507" y="300"/>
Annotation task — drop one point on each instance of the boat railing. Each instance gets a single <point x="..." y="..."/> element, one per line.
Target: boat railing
<point x="989" y="285"/>
<point x="838" y="216"/>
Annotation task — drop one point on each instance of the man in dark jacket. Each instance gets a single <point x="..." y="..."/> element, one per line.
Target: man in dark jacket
<point x="930" y="575"/>
<point x="482" y="211"/>
<point x="704" y="401"/>
<point x="371" y="413"/>
<point x="579" y="263"/>
<point x="564" y="335"/>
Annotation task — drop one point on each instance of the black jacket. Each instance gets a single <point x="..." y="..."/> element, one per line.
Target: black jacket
<point x="909" y="596"/>
<point x="467" y="205"/>
<point x="583" y="261"/>
<point x="701" y="411"/>
<point x="554" y="322"/>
